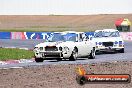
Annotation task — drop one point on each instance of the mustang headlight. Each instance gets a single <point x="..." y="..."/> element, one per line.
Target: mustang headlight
<point x="36" y="49"/>
<point x="98" y="43"/>
<point x="116" y="42"/>
<point x="41" y="48"/>
<point x="66" y="49"/>
<point x="60" y="48"/>
<point x="120" y="42"/>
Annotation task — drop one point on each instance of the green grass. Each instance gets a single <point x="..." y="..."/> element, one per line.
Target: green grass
<point x="15" y="54"/>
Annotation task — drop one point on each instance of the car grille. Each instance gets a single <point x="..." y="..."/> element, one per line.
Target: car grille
<point x="106" y="44"/>
<point x="51" y="54"/>
<point x="51" y="48"/>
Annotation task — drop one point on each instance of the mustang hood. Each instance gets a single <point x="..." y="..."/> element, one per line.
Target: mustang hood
<point x="54" y="44"/>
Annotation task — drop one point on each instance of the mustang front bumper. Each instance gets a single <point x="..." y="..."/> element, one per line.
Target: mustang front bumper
<point x="52" y="54"/>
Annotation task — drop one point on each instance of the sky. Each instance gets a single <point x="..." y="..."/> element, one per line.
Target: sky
<point x="64" y="7"/>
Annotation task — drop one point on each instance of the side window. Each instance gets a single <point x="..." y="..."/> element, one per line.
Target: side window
<point x="80" y="37"/>
<point x="118" y="34"/>
<point x="76" y="38"/>
<point x="85" y="37"/>
<point x="115" y="34"/>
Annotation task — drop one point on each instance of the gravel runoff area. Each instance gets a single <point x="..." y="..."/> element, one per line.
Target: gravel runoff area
<point x="61" y="76"/>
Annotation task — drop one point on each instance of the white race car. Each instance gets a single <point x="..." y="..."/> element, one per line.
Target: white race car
<point x="68" y="44"/>
<point x="108" y="40"/>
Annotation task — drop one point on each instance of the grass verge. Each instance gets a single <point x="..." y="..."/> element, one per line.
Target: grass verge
<point x="15" y="54"/>
<point x="46" y="29"/>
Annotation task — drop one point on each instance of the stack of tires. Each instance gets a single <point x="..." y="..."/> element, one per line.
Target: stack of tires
<point x="123" y="25"/>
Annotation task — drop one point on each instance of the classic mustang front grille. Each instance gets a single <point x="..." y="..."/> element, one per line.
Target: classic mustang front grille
<point x="51" y="54"/>
<point x="106" y="44"/>
<point x="51" y="48"/>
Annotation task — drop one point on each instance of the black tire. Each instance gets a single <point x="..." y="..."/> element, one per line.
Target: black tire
<point x="59" y="59"/>
<point x="92" y="54"/>
<point x="121" y="50"/>
<point x="128" y="28"/>
<point x="81" y="80"/>
<point x="73" y="56"/>
<point x="39" y="59"/>
<point x="97" y="52"/>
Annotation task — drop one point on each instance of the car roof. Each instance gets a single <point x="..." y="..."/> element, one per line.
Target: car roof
<point x="65" y="32"/>
<point x="98" y="30"/>
<point x="56" y="32"/>
<point x="109" y="30"/>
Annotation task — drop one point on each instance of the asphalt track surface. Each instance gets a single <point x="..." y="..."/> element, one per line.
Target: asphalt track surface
<point x="107" y="57"/>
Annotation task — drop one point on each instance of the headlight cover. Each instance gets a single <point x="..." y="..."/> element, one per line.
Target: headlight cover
<point x="120" y="42"/>
<point x="36" y="49"/>
<point x="116" y="42"/>
<point x="60" y="48"/>
<point x="98" y="43"/>
<point x="66" y="49"/>
<point x="41" y="48"/>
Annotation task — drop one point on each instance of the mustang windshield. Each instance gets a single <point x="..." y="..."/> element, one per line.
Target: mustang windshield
<point x="70" y="37"/>
<point x="59" y="37"/>
<point x="55" y="37"/>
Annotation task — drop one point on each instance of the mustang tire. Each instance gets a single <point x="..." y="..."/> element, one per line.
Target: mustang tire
<point x="121" y="50"/>
<point x="81" y="80"/>
<point x="59" y="59"/>
<point x="73" y="56"/>
<point x="39" y="59"/>
<point x="92" y="54"/>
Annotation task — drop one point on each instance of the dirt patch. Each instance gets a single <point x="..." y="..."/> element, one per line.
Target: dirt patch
<point x="53" y="23"/>
<point x="61" y="76"/>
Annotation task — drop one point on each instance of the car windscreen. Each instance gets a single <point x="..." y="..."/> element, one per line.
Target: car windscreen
<point x="56" y="37"/>
<point x="107" y="34"/>
<point x="98" y="34"/>
<point x="70" y="37"/>
<point x="110" y="34"/>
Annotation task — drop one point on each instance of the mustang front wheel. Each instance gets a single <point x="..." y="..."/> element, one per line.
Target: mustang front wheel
<point x="39" y="59"/>
<point x="73" y="56"/>
<point x="121" y="50"/>
<point x="92" y="54"/>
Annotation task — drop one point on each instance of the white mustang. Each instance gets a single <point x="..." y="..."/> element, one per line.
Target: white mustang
<point x="68" y="44"/>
